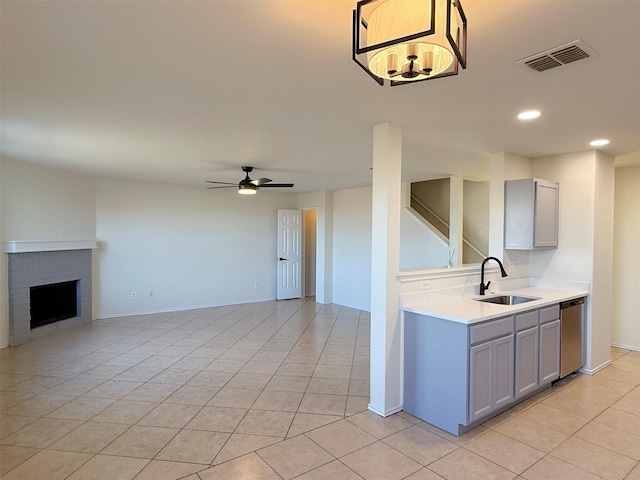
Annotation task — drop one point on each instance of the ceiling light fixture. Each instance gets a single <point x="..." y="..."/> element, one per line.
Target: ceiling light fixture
<point x="529" y="115"/>
<point x="408" y="41"/>
<point x="600" y="142"/>
<point x="247" y="188"/>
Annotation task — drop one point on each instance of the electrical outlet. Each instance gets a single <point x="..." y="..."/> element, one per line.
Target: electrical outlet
<point x="255" y="285"/>
<point x="133" y="295"/>
<point x="424" y="285"/>
<point x="513" y="265"/>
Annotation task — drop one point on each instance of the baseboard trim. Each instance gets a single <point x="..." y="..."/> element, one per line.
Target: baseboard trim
<point x="593" y="371"/>
<point x="348" y="305"/>
<point x="626" y="347"/>
<point x="180" y="309"/>
<point x="384" y="413"/>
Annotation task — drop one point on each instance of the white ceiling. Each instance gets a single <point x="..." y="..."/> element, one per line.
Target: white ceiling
<point x="183" y="92"/>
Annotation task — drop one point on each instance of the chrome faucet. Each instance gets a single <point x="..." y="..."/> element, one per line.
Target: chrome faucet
<point x="483" y="287"/>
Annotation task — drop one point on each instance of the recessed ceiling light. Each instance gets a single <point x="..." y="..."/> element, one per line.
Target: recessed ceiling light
<point x="529" y="115"/>
<point x="599" y="143"/>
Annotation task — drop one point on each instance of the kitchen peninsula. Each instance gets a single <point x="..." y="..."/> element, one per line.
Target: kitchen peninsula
<point x="466" y="359"/>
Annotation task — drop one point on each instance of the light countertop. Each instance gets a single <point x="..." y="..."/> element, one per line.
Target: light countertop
<point x="467" y="310"/>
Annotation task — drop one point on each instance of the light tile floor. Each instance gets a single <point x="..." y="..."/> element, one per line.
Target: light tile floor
<point x="279" y="390"/>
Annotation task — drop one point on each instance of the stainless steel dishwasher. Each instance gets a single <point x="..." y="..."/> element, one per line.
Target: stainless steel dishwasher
<point x="571" y="336"/>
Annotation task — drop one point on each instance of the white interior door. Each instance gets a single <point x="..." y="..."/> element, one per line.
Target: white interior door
<point x="289" y="255"/>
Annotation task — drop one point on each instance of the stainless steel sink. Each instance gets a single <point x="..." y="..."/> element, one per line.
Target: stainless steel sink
<point x="507" y="299"/>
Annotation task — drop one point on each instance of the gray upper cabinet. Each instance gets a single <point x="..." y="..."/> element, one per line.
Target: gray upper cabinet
<point x="530" y="214"/>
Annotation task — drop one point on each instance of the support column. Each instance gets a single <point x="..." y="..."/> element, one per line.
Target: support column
<point x="496" y="201"/>
<point x="600" y="308"/>
<point x="456" y="244"/>
<point x="327" y="248"/>
<point x="386" y="340"/>
<point x="4" y="283"/>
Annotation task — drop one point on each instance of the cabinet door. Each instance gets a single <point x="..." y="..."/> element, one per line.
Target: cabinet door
<point x="503" y="371"/>
<point x="545" y="215"/>
<point x="491" y="376"/>
<point x="526" y="361"/>
<point x="480" y="380"/>
<point x="549" y="352"/>
<point x="519" y="200"/>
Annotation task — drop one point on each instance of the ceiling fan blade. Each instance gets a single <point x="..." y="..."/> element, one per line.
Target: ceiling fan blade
<point x="248" y="184"/>
<point x="261" y="181"/>
<point x="221" y="183"/>
<point x="277" y="185"/>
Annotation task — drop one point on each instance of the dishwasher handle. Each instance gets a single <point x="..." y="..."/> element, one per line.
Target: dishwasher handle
<point x="571" y="303"/>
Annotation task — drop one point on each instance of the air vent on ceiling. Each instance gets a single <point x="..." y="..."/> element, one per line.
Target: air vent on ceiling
<point x="558" y="56"/>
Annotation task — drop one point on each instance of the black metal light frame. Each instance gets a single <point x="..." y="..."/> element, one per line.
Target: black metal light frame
<point x="360" y="23"/>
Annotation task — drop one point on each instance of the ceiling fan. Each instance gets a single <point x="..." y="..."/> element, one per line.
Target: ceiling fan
<point x="248" y="186"/>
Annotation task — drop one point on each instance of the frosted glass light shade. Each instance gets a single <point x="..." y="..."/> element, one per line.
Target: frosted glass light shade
<point x="409" y="40"/>
<point x="395" y="19"/>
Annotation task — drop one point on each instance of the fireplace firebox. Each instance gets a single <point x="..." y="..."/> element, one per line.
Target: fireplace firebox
<point x="53" y="302"/>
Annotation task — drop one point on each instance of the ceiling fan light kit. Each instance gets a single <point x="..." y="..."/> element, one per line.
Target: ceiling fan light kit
<point x="247" y="189"/>
<point x="247" y="186"/>
<point x="406" y="41"/>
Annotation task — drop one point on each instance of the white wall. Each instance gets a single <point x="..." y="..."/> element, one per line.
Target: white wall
<point x="190" y="246"/>
<point x="418" y="247"/>
<point x="352" y="248"/>
<point x="41" y="203"/>
<point x="626" y="258"/>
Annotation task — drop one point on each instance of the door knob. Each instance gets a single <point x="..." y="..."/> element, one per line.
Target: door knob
<point x="282" y="259"/>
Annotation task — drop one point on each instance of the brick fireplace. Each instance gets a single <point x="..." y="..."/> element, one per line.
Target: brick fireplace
<point x="34" y="266"/>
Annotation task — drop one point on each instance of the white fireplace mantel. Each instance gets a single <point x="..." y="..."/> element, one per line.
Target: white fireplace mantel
<point x="18" y="246"/>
